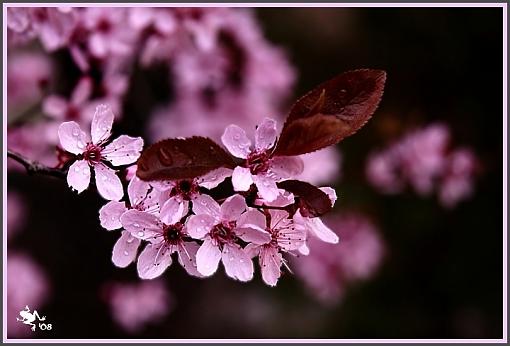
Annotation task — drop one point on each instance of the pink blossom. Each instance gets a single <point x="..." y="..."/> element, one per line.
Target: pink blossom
<point x="26" y="284"/>
<point x="108" y="32"/>
<point x="135" y="305"/>
<point x="74" y="108"/>
<point x="189" y="189"/>
<point x="314" y="225"/>
<point x="285" y="236"/>
<point x="141" y="197"/>
<point x="95" y="153"/>
<point x="53" y="25"/>
<point x="423" y="160"/>
<point x="457" y="183"/>
<point x="166" y="234"/>
<point x="219" y="227"/>
<point x="328" y="269"/>
<point x="259" y="166"/>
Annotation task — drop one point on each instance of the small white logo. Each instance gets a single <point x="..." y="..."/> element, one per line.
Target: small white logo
<point x="29" y="318"/>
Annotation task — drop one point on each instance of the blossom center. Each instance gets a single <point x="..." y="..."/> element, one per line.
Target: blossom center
<point x="185" y="189"/>
<point x="223" y="232"/>
<point x="92" y="154"/>
<point x="258" y="162"/>
<point x="173" y="234"/>
<point x="104" y="25"/>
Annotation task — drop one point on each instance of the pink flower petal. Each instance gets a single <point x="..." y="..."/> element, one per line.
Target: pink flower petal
<point x="267" y="187"/>
<point x="214" y="178"/>
<point x="331" y="194"/>
<point x="108" y="183"/>
<point x="285" y="167"/>
<point x="241" y="179"/>
<point x="78" y="176"/>
<point x="173" y="211"/>
<point x="253" y="235"/>
<point x="101" y="124"/>
<point x="317" y="228"/>
<point x="270" y="262"/>
<point x="97" y="45"/>
<point x="238" y="265"/>
<point x="304" y="249"/>
<point x="234" y="138"/>
<point x="55" y="106"/>
<point x="199" y="225"/>
<point x="72" y="138"/>
<point x="187" y="255"/>
<point x="252" y="218"/>
<point x="205" y="204"/>
<point x="137" y="190"/>
<point x="123" y="150"/>
<point x="252" y="250"/>
<point x="125" y="250"/>
<point x="142" y="225"/>
<point x="82" y="91"/>
<point x="233" y="207"/>
<point x="153" y="261"/>
<point x="208" y="258"/>
<point x="110" y="213"/>
<point x="265" y="134"/>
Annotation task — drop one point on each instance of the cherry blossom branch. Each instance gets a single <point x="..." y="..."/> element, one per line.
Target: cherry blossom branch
<point x="34" y="167"/>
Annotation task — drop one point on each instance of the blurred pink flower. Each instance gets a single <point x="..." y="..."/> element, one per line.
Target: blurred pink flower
<point x="458" y="180"/>
<point x="259" y="167"/>
<point x="423" y="160"/>
<point x="73" y="109"/>
<point x="123" y="150"/>
<point x="322" y="166"/>
<point x="26" y="284"/>
<point x="329" y="269"/>
<point x="134" y="306"/>
<point x="28" y="73"/>
<point x="219" y="227"/>
<point x="16" y="213"/>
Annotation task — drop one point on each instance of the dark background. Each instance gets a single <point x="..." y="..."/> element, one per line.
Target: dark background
<point x="442" y="276"/>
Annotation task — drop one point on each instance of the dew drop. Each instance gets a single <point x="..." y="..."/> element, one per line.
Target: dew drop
<point x="130" y="239"/>
<point x="81" y="145"/>
<point x="113" y="218"/>
<point x="136" y="225"/>
<point x="140" y="234"/>
<point x="76" y="169"/>
<point x="126" y="253"/>
<point x="237" y="136"/>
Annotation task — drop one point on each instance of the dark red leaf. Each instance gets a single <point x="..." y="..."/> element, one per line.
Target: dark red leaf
<point x="186" y="158"/>
<point x="312" y="201"/>
<point x="332" y="111"/>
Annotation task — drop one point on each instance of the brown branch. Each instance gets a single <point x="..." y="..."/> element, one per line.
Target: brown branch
<point x="34" y="167"/>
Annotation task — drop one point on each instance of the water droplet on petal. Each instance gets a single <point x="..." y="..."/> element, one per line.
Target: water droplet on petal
<point x="140" y="234"/>
<point x="113" y="218"/>
<point x="241" y="261"/>
<point x="136" y="225"/>
<point x="126" y="253"/>
<point x="81" y="145"/>
<point x="76" y="169"/>
<point x="237" y="136"/>
<point x="130" y="239"/>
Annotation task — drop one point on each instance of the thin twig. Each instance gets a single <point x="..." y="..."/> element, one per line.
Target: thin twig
<point x="34" y="167"/>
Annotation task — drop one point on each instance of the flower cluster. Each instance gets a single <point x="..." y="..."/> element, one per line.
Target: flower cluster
<point x="424" y="160"/>
<point x="181" y="216"/>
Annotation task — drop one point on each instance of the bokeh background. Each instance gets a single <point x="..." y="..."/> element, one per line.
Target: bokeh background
<point x="424" y="270"/>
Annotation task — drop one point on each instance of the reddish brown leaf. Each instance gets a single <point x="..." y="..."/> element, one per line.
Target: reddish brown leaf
<point x="312" y="201"/>
<point x="332" y="111"/>
<point x="186" y="158"/>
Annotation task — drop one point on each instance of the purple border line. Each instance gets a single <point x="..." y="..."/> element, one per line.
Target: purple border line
<point x="505" y="171"/>
<point x="4" y="176"/>
<point x="263" y="4"/>
<point x="262" y="341"/>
